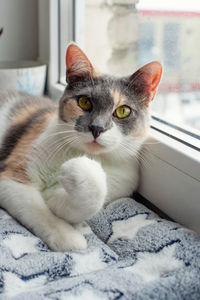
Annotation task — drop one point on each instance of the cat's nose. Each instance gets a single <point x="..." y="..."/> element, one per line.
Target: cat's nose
<point x="96" y="130"/>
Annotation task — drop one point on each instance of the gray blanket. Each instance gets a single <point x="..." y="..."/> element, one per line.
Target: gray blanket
<point x="132" y="254"/>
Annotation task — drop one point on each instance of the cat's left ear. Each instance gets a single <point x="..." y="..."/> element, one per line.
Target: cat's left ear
<point x="146" y="80"/>
<point x="78" y="65"/>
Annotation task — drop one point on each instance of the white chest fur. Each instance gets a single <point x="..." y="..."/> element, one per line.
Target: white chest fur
<point x="122" y="179"/>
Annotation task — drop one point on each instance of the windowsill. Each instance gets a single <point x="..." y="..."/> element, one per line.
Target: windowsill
<point x="170" y="173"/>
<point x="170" y="178"/>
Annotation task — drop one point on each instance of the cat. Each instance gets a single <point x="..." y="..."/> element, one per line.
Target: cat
<point x="60" y="163"/>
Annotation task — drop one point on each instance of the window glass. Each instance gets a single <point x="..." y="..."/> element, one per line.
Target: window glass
<point x="171" y="43"/>
<point x="121" y="36"/>
<point x="146" y="42"/>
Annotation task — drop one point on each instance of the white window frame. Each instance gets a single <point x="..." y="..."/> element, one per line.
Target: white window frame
<point x="170" y="174"/>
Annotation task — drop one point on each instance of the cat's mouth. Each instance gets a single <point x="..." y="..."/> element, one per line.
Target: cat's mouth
<point x="94" y="146"/>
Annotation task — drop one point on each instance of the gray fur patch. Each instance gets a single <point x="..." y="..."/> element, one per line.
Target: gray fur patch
<point x="100" y="92"/>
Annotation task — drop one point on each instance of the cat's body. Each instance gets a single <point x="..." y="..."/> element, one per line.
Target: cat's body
<point x="60" y="163"/>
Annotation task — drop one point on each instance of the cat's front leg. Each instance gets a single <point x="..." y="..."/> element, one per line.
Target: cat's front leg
<point x="83" y="190"/>
<point x="26" y="204"/>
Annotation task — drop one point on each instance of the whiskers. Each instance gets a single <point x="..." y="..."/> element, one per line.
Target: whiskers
<point x="54" y="147"/>
<point x="60" y="147"/>
<point x="141" y="155"/>
<point x="145" y="157"/>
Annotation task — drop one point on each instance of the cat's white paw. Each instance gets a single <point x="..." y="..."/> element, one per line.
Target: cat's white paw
<point x="65" y="238"/>
<point x="84" y="180"/>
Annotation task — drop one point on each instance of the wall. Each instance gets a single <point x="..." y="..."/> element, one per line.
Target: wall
<point x="19" y="41"/>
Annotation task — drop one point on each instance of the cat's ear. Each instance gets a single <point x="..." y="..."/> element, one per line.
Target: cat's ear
<point x="146" y="80"/>
<point x="77" y="63"/>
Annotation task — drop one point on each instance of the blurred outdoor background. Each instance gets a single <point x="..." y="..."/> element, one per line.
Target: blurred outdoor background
<point x="121" y="36"/>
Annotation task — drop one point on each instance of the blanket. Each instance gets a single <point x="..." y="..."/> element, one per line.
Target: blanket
<point x="132" y="254"/>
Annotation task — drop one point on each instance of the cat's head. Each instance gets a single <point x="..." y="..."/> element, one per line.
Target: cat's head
<point x="104" y="113"/>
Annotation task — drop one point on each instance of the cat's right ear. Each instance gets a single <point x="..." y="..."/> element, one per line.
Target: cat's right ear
<point x="78" y="65"/>
<point x="146" y="80"/>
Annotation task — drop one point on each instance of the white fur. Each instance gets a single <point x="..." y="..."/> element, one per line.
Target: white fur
<point x="82" y="192"/>
<point x="110" y="140"/>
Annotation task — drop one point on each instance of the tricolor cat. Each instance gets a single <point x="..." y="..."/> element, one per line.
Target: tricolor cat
<point x="60" y="163"/>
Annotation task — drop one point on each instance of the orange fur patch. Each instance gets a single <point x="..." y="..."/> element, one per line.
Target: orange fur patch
<point x="17" y="161"/>
<point x="118" y="98"/>
<point x="141" y="133"/>
<point x="71" y="110"/>
<point x="96" y="74"/>
<point x="25" y="112"/>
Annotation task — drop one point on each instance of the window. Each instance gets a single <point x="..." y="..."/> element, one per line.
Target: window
<point x="146" y="43"/>
<point x="66" y="32"/>
<point x="171" y="44"/>
<point x="119" y="37"/>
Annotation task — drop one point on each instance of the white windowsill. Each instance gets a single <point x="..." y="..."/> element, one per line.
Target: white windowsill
<point x="170" y="179"/>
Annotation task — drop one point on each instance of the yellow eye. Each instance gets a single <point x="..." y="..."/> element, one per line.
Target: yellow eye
<point x="122" y="112"/>
<point x="85" y="103"/>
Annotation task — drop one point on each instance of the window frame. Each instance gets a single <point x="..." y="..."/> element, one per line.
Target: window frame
<point x="170" y="177"/>
<point x="171" y="160"/>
